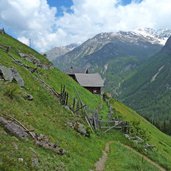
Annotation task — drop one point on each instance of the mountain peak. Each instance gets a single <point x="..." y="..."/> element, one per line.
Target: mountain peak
<point x="58" y="51"/>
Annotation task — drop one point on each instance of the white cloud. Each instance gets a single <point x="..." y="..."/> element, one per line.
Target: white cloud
<point x="36" y="20"/>
<point x="24" y="40"/>
<point x="30" y="19"/>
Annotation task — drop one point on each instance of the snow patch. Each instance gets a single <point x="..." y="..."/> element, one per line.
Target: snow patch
<point x="155" y="75"/>
<point x="155" y="36"/>
<point x="105" y="67"/>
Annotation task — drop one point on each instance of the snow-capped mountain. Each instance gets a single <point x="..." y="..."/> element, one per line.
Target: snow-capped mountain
<point x="142" y="43"/>
<point x="160" y="35"/>
<point x="94" y="44"/>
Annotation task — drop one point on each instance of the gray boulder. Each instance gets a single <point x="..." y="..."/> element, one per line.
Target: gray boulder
<point x="18" y="78"/>
<point x="10" y="74"/>
<point x="29" y="97"/>
<point x="81" y="129"/>
<point x="6" y="73"/>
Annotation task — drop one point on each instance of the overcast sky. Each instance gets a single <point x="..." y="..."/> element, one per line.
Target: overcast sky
<point x="50" y="23"/>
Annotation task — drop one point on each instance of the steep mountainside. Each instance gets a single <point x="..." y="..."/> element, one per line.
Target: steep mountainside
<point x="115" y="55"/>
<point x="149" y="90"/>
<point x="35" y="108"/>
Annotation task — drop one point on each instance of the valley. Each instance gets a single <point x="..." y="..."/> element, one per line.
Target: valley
<point x="36" y="105"/>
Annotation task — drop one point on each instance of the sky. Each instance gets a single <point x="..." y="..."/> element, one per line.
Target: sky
<point x="51" y="23"/>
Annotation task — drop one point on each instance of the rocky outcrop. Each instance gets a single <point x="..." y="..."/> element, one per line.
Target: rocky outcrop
<point x="11" y="74"/>
<point x="13" y="128"/>
<point x="35" y="61"/>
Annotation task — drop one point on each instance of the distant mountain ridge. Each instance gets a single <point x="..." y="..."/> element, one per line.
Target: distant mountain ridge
<point x="58" y="51"/>
<point x="100" y="40"/>
<point x="154" y="36"/>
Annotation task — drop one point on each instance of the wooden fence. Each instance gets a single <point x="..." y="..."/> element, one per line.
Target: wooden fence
<point x="107" y="125"/>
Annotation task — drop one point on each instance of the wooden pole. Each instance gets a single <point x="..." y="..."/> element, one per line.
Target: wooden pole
<point x="88" y="122"/>
<point x="115" y="126"/>
<point x="80" y="108"/>
<point x="73" y="107"/>
<point x="22" y="126"/>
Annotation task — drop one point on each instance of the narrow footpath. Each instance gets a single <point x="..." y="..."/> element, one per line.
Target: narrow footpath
<point x="100" y="164"/>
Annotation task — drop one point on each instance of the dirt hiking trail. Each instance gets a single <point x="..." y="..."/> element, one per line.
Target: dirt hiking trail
<point x="100" y="164"/>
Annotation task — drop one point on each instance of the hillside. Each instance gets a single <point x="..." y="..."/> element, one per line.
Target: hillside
<point x="115" y="55"/>
<point x="44" y="114"/>
<point x="148" y="91"/>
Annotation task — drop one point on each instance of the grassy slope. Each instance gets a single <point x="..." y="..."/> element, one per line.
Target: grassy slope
<point x="45" y="115"/>
<point x="118" y="160"/>
<point x="161" y="141"/>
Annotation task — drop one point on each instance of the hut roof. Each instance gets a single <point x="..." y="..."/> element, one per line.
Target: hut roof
<point x="89" y="80"/>
<point x="73" y="71"/>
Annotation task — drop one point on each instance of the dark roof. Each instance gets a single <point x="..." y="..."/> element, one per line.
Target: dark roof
<point x="89" y="80"/>
<point x="73" y="71"/>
